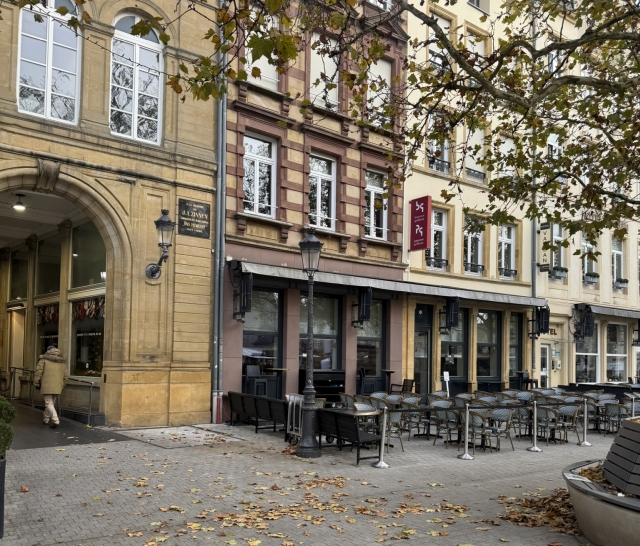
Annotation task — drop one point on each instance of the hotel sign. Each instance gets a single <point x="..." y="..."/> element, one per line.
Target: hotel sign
<point x="194" y="218"/>
<point x="545" y="253"/>
<point x="420" y="208"/>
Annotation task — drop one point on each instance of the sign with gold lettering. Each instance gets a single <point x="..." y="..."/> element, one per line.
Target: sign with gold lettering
<point x="194" y="218"/>
<point x="545" y="254"/>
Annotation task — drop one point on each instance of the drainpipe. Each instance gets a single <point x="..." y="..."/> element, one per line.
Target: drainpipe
<point x="219" y="256"/>
<point x="534" y="223"/>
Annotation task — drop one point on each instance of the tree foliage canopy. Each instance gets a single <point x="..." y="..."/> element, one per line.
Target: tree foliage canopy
<point x="553" y="92"/>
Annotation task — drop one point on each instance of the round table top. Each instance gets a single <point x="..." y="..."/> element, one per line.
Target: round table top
<point x="355" y="413"/>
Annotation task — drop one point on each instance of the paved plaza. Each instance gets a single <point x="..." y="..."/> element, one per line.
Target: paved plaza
<point x="229" y="486"/>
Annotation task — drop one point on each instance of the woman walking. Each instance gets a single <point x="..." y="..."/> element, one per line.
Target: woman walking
<point x="50" y="378"/>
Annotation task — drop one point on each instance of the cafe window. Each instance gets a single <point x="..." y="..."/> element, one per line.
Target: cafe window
<point x="488" y="335"/>
<point x="260" y="337"/>
<point x="47" y="326"/>
<point x="48" y="268"/>
<point x="370" y="341"/>
<point x="326" y="330"/>
<point x="588" y="358"/>
<point x="87" y="337"/>
<point x="616" y="352"/>
<point x="453" y="350"/>
<point x="515" y="344"/>
<point x="89" y="256"/>
<point x="19" y="275"/>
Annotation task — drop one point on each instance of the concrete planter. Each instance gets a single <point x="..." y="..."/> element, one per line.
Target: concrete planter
<point x="605" y="519"/>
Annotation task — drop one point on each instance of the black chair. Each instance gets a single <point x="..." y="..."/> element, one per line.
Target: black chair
<point x="367" y="384"/>
<point x="407" y="386"/>
<point x="527" y="382"/>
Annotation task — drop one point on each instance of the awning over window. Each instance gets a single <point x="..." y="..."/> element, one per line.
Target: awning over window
<point x="393" y="286"/>
<point x="614" y="311"/>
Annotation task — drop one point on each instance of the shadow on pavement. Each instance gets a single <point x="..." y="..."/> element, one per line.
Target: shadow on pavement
<point x="30" y="433"/>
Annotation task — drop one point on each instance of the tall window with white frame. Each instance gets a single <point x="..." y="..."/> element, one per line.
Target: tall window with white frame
<point x="322" y="184"/>
<point x="323" y="73"/>
<point x="588" y="358"/>
<point x="49" y="62"/>
<point x="507" y="252"/>
<point x="473" y="252"/>
<point x="438" y="150"/>
<point x="617" y="263"/>
<point x="259" y="175"/>
<point x="380" y="74"/>
<point x="436" y="254"/>
<point x="266" y="74"/>
<point x="557" y="257"/>
<point x="136" y="93"/>
<point x="616" y="352"/>
<point x="375" y="217"/>
<point x="589" y="273"/>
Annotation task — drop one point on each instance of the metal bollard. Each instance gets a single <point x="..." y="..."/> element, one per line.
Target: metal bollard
<point x="465" y="456"/>
<point x="381" y="463"/>
<point x="534" y="448"/>
<point x="585" y="426"/>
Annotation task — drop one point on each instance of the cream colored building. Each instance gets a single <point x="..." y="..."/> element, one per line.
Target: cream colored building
<point x="496" y="278"/>
<point x="95" y="147"/>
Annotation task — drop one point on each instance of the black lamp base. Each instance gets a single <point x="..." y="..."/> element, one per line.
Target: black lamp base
<point x="153" y="271"/>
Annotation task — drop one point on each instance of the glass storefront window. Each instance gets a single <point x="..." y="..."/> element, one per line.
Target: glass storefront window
<point x="260" y="332"/>
<point x="587" y="358"/>
<point x="19" y="275"/>
<point x="370" y="336"/>
<point x="616" y="352"/>
<point x="87" y="337"/>
<point x="453" y="352"/>
<point x="488" y="333"/>
<point x="325" y="333"/>
<point x="515" y="344"/>
<point x="89" y="256"/>
<point x="48" y="265"/>
<point x="47" y="326"/>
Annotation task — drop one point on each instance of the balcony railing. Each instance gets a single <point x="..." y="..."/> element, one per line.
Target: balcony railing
<point x="476" y="175"/>
<point x="473" y="268"/>
<point x="439" y="165"/>
<point x="508" y="273"/>
<point x="438" y="263"/>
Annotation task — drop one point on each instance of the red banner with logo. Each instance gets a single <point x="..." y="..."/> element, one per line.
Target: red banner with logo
<point x="420" y="238"/>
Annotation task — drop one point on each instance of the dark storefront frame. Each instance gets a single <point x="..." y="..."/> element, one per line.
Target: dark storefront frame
<point x="457" y="383"/>
<point x="490" y="382"/>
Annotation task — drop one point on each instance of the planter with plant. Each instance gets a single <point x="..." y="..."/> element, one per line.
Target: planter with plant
<point x="559" y="272"/>
<point x="591" y="278"/>
<point x="7" y="414"/>
<point x="621" y="283"/>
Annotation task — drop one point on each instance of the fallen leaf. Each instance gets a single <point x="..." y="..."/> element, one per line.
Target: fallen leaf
<point x="137" y="534"/>
<point x="24" y="489"/>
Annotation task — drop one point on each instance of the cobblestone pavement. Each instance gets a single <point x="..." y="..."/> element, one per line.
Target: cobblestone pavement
<point x="129" y="492"/>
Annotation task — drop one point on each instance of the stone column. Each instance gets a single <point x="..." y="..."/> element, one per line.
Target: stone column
<point x="291" y="340"/>
<point x="436" y="336"/>
<point x="506" y="342"/>
<point x="5" y="266"/>
<point x="349" y="346"/>
<point x="602" y="350"/>
<point x="30" y="319"/>
<point x="473" y="349"/>
<point x="64" y="320"/>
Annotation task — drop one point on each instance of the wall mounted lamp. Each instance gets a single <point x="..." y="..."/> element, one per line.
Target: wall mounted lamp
<point x="164" y="228"/>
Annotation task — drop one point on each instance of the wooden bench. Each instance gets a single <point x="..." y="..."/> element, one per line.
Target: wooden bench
<point x="344" y="427"/>
<point x="258" y="408"/>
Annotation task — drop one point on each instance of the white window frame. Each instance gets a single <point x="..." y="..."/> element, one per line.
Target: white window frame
<point x="467" y="237"/>
<point x="442" y="163"/>
<point x="625" y="355"/>
<point x="596" y="334"/>
<point x="370" y="193"/>
<point x="377" y="99"/>
<point x="138" y="43"/>
<point x="316" y="215"/>
<point x="588" y="265"/>
<point x="615" y="272"/>
<point x="269" y="77"/>
<point x="557" y="257"/>
<point x="51" y="18"/>
<point x="503" y="241"/>
<point x="271" y="161"/>
<point x="437" y="229"/>
<point x="329" y="67"/>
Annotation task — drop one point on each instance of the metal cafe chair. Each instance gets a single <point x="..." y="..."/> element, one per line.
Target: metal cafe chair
<point x="477" y="428"/>
<point x="447" y="420"/>
<point x="380" y="394"/>
<point x="500" y="426"/>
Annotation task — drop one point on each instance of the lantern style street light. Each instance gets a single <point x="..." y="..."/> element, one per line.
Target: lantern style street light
<point x="310" y="248"/>
<point x="164" y="228"/>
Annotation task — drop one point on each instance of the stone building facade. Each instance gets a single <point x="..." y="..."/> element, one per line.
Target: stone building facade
<point x="95" y="147"/>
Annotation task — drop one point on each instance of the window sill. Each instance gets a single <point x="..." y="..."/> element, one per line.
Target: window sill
<point x="365" y="241"/>
<point x="325" y="232"/>
<point x="243" y="217"/>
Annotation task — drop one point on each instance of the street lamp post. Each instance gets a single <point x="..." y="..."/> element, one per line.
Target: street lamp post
<point x="310" y="248"/>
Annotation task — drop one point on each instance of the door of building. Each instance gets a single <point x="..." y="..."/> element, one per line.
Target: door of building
<point x="16" y="344"/>
<point x="422" y="365"/>
<point x="545" y="351"/>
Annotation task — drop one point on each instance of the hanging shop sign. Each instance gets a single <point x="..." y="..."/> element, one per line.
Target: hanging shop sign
<point x="420" y="223"/>
<point x="545" y="253"/>
<point x="194" y="218"/>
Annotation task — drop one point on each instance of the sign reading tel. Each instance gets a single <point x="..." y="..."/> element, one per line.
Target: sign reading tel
<point x="194" y="218"/>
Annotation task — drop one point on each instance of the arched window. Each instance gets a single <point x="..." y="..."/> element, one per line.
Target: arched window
<point x="136" y="93"/>
<point x="49" y="62"/>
